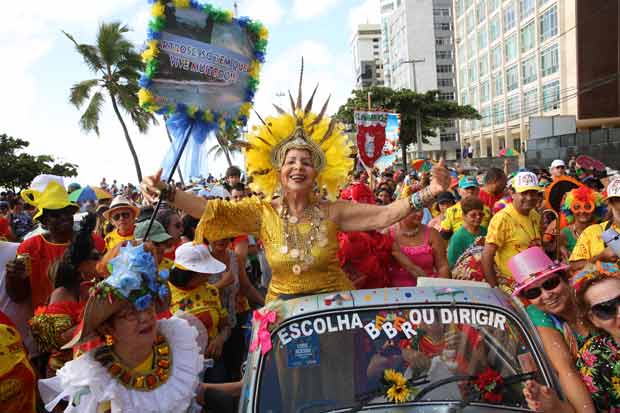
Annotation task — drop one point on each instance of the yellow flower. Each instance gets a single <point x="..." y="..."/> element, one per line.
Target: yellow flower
<point x="151" y="51"/>
<point x="208" y="116"/>
<point x="398" y="393"/>
<point x="615" y="382"/>
<point x="586" y="371"/>
<point x="263" y="33"/>
<point x="183" y="4"/>
<point x="158" y="10"/>
<point x="144" y="97"/>
<point x="191" y="111"/>
<point x="392" y="376"/>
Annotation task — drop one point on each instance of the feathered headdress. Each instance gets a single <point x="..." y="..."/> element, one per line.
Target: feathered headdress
<point x="301" y="129"/>
<point x="585" y="199"/>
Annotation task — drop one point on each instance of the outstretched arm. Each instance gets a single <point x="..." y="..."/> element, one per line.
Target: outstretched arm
<point x="351" y="216"/>
<point x="152" y="186"/>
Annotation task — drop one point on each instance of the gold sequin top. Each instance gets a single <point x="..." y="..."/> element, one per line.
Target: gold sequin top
<point x="224" y="219"/>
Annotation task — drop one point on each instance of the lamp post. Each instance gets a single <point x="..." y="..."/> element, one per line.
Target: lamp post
<point x="418" y="122"/>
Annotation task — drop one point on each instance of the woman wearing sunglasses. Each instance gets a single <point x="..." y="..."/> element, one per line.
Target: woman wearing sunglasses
<point x="543" y="285"/>
<point x="598" y="297"/>
<point x="122" y="215"/>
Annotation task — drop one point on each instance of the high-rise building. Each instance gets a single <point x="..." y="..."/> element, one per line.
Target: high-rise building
<point x="367" y="62"/>
<point x="386" y="8"/>
<point x="522" y="58"/>
<point x="420" y="48"/>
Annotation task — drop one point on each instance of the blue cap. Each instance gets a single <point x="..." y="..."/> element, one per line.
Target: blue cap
<point x="468" y="182"/>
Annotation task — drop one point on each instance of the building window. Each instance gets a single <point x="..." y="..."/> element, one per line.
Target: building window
<point x="441" y="12"/>
<point x="494" y="29"/>
<point x="512" y="107"/>
<point x="498" y="84"/>
<point x="463" y="77"/>
<point x="510" y="17"/>
<point x="471" y="46"/>
<point x="549" y="24"/>
<point x="512" y="78"/>
<point x="442" y="41"/>
<point x="482" y="39"/>
<point x="551" y="96"/>
<point x="444" y="68"/>
<point x="496" y="57"/>
<point x="443" y="54"/>
<point x="492" y="5"/>
<point x="471" y="21"/>
<point x="485" y="114"/>
<point x="463" y="97"/>
<point x="472" y="72"/>
<point x="468" y="4"/>
<point x="530" y="102"/>
<point x="459" y="8"/>
<point x="445" y="82"/>
<point x="528" y="37"/>
<point x="484" y="92"/>
<point x="473" y="96"/>
<point x="480" y="12"/>
<point x="483" y="65"/>
<point x="446" y="96"/>
<point x="498" y="113"/>
<point x="442" y="26"/>
<point x="542" y="2"/>
<point x="526" y="7"/>
<point x="510" y="48"/>
<point x="528" y="70"/>
<point x="549" y="60"/>
<point x="447" y="137"/>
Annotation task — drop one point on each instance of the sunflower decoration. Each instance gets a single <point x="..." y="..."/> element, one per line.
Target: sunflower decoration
<point x="398" y="389"/>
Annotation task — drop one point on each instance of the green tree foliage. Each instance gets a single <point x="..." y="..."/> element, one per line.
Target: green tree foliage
<point x="435" y="112"/>
<point x="229" y="142"/>
<point x="18" y="168"/>
<point x="116" y="65"/>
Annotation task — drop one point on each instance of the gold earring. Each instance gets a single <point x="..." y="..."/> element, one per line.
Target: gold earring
<point x="109" y="340"/>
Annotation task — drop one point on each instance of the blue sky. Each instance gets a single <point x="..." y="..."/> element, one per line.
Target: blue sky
<point x="40" y="65"/>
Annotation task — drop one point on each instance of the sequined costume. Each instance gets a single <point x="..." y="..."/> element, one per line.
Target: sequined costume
<point x="49" y="323"/>
<point x="224" y="219"/>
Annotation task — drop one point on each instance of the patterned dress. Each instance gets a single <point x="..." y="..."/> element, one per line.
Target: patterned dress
<point x="599" y="366"/>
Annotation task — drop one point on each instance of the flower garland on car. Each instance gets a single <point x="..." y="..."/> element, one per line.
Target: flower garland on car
<point x="209" y="120"/>
<point x="489" y="384"/>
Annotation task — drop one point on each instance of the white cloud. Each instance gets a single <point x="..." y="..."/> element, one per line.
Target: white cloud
<point x="266" y="11"/>
<point x="308" y="9"/>
<point x="366" y="12"/>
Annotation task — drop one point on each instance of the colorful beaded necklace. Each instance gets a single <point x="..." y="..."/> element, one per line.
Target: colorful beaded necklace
<point x="162" y="363"/>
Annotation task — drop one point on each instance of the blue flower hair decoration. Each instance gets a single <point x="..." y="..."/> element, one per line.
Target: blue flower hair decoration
<point x="135" y="277"/>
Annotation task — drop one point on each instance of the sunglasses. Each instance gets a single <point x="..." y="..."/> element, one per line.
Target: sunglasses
<point x="606" y="310"/>
<point x="120" y="215"/>
<point x="534" y="293"/>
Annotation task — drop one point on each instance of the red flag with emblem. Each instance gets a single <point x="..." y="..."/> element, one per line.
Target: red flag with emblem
<point x="370" y="141"/>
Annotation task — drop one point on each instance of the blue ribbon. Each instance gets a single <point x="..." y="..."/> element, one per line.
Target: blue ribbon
<point x="194" y="159"/>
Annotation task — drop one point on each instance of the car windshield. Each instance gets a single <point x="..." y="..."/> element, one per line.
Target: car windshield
<point x="338" y="360"/>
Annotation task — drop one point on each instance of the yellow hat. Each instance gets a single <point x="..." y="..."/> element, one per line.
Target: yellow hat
<point x="11" y="349"/>
<point x="53" y="197"/>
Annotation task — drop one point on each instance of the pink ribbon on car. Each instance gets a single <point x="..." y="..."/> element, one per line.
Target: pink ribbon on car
<point x="263" y="337"/>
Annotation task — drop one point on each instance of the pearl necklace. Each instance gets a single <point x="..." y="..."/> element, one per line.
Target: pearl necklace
<point x="410" y="233"/>
<point x="298" y="247"/>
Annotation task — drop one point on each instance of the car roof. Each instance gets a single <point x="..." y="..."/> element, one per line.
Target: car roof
<point x="433" y="292"/>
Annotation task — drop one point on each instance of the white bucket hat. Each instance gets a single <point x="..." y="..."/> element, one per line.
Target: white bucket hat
<point x="197" y="258"/>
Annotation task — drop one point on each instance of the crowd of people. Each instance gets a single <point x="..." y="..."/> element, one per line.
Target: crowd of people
<point x="111" y="311"/>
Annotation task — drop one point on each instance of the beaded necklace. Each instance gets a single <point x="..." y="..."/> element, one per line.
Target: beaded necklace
<point x="298" y="246"/>
<point x="160" y="371"/>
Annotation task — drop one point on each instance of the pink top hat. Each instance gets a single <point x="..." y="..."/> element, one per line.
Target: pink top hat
<point x="531" y="266"/>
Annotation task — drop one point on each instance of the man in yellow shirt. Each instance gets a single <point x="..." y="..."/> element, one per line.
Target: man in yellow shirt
<point x="512" y="230"/>
<point x="122" y="215"/>
<point x="468" y="186"/>
<point x="590" y="246"/>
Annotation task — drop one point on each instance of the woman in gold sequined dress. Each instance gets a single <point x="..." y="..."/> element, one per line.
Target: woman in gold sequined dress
<point x="296" y="153"/>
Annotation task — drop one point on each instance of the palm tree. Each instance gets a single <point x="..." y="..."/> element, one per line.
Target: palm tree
<point x="229" y="142"/>
<point x="116" y="64"/>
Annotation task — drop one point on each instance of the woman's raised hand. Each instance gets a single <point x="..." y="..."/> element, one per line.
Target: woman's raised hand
<point x="440" y="178"/>
<point x="151" y="186"/>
